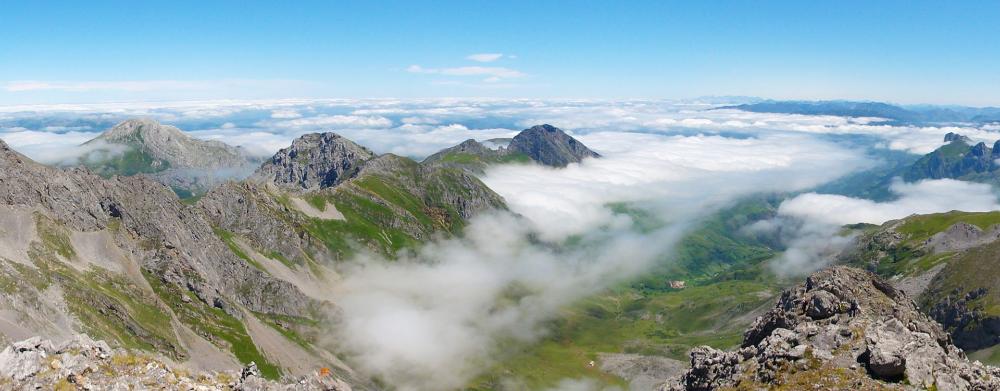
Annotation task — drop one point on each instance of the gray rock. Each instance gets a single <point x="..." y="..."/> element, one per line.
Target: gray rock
<point x="314" y="161"/>
<point x="885" y="333"/>
<point x="550" y="146"/>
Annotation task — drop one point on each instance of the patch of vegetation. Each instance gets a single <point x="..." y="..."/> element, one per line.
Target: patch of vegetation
<point x="922" y="227"/>
<point x="515" y="157"/>
<point x="360" y="228"/>
<point x="108" y="305"/>
<point x="462" y="158"/>
<point x="220" y="328"/>
<point x="318" y="201"/>
<point x="302" y="331"/>
<point x="54" y="236"/>
<point x="130" y="162"/>
<point x="229" y="239"/>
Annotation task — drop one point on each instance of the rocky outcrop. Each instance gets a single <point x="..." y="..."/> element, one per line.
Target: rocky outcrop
<point x="550" y="146"/>
<point x="844" y="328"/>
<point x="314" y="161"/>
<point x="81" y="363"/>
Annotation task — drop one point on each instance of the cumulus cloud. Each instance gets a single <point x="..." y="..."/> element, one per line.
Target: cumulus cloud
<point x="485" y="57"/>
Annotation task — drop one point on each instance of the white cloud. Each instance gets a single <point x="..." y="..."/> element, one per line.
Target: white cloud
<point x="485" y="57"/>
<point x="498" y="72"/>
<point x="285" y="114"/>
<point x="810" y="224"/>
<point x="323" y="120"/>
<point x="702" y="170"/>
<point x="50" y="147"/>
<point x="928" y="196"/>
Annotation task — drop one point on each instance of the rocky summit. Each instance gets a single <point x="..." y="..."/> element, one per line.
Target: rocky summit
<point x="551" y="146"/>
<point x="844" y="328"/>
<point x="314" y="161"/>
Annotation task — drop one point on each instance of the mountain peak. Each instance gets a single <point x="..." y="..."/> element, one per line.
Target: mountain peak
<point x="551" y="146"/>
<point x="314" y="161"/>
<point x="953" y="137"/>
<point x="139" y="130"/>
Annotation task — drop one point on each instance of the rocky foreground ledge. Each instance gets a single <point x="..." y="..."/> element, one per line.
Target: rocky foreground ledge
<point x="843" y="329"/>
<point x="84" y="364"/>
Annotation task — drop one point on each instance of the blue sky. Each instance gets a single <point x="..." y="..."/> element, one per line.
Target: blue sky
<point x="907" y="52"/>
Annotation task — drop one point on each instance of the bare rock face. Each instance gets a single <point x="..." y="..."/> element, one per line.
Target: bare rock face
<point x="844" y="328"/>
<point x="314" y="161"/>
<point x="170" y="240"/>
<point x="550" y="146"/>
<point x="84" y="364"/>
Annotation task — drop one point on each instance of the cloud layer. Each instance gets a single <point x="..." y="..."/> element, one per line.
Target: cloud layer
<point x="435" y="318"/>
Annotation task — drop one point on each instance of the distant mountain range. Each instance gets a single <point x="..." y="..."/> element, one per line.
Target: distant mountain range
<point x="921" y="114"/>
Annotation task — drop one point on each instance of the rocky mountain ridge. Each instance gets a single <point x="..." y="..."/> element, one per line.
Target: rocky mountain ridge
<point x="543" y="144"/>
<point x="959" y="159"/>
<point x="124" y="260"/>
<point x="844" y="328"/>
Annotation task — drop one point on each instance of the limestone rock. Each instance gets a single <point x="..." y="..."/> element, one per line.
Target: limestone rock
<point x="876" y="341"/>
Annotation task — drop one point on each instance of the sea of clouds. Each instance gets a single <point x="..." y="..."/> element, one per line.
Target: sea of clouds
<point x="437" y="317"/>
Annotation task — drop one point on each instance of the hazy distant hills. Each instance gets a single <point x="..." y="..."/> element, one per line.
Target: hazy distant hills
<point x="896" y="114"/>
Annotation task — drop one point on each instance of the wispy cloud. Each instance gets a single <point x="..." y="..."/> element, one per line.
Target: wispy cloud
<point x="485" y="57"/>
<point x="492" y="74"/>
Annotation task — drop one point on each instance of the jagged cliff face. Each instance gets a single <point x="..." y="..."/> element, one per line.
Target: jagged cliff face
<point x="844" y="328"/>
<point x="123" y="260"/>
<point x="314" y="161"/>
<point x="171" y="157"/>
